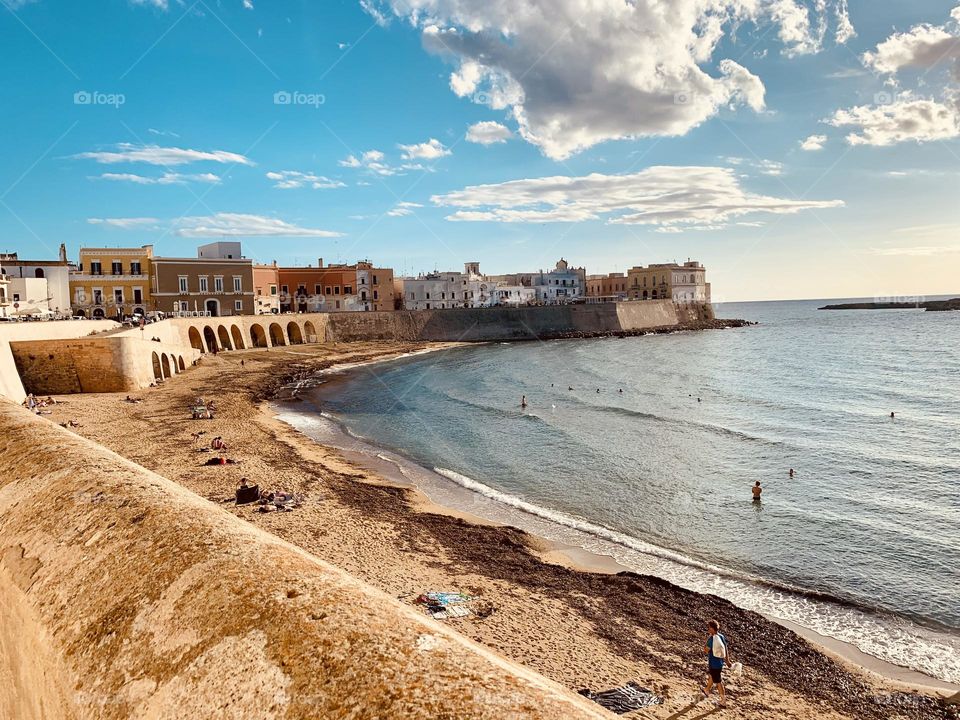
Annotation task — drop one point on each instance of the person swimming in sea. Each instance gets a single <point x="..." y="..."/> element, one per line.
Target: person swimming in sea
<point x="791" y="472"/>
<point x="757" y="491"/>
<point x="523" y="401"/>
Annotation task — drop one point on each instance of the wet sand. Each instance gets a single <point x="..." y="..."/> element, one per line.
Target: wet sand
<point x="579" y="624"/>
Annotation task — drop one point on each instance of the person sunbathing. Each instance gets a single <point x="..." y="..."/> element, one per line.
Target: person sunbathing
<point x="218" y="444"/>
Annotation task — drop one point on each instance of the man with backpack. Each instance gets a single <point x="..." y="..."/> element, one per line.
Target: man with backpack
<point x="717" y="655"/>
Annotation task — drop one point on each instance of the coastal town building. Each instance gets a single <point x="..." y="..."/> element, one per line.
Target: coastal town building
<point x="37" y="287"/>
<point x="450" y="289"/>
<point x="610" y="287"/>
<point x="359" y="287"/>
<point x="112" y="282"/>
<point x="5" y="301"/>
<point x="209" y="286"/>
<point x="684" y="283"/>
<point x="563" y="284"/>
<point x="266" y="289"/>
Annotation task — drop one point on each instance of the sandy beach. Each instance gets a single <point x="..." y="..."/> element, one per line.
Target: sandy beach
<point x="561" y="613"/>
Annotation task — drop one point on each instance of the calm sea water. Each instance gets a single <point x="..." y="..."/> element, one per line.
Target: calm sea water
<point x="862" y="544"/>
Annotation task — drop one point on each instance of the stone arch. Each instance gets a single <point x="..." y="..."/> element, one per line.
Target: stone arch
<point x="195" y="340"/>
<point x="309" y="332"/>
<point x="224" y="336"/>
<point x="210" y="337"/>
<point x="258" y="337"/>
<point x="237" y="338"/>
<point x="181" y="363"/>
<point x="276" y="335"/>
<point x="157" y="369"/>
<point x="98" y="312"/>
<point x="165" y="365"/>
<point x="294" y="333"/>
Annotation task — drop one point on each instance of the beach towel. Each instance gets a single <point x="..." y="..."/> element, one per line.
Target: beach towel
<point x="624" y="699"/>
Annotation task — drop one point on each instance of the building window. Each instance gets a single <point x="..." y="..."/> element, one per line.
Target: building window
<point x="428" y="306"/>
<point x="135" y="268"/>
<point x="347" y="289"/>
<point x="38" y="273"/>
<point x="16" y="297"/>
<point x="336" y="289"/>
<point x="116" y="267"/>
<point x="184" y="306"/>
<point x="273" y="289"/>
<point x="329" y="291"/>
<point x="428" y="297"/>
<point x="97" y="296"/>
<point x="237" y="284"/>
<point x="118" y="297"/>
<point x="285" y="289"/>
<point x="238" y="305"/>
<point x="95" y="268"/>
<point x="203" y="284"/>
<point x="376" y="295"/>
<point x="317" y="290"/>
<point x="374" y="279"/>
<point x="137" y="296"/>
<point x="218" y="284"/>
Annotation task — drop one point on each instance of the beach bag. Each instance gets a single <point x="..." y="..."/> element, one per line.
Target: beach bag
<point x="719" y="647"/>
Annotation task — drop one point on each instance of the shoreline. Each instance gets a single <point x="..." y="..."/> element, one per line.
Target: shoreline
<point x="582" y="629"/>
<point x="581" y="559"/>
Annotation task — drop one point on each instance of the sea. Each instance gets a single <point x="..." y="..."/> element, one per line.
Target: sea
<point x="645" y="449"/>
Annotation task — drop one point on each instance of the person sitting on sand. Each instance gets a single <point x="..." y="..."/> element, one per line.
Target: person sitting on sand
<point x="218" y="444"/>
<point x="757" y="491"/>
<point x="717" y="654"/>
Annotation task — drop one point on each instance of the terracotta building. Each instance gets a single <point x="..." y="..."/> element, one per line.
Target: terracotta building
<point x="266" y="289"/>
<point x="612" y="286"/>
<point x="336" y="288"/>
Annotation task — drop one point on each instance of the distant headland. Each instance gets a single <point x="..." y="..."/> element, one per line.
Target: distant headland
<point x="935" y="305"/>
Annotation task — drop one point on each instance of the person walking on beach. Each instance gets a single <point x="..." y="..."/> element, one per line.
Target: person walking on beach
<point x="717" y="655"/>
<point x="757" y="491"/>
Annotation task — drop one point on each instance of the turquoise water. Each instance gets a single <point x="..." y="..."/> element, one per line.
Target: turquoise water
<point x="861" y="544"/>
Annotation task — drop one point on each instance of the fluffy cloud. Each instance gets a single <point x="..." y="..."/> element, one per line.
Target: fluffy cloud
<point x="291" y="180"/>
<point x="662" y="196"/>
<point x="488" y="133"/>
<point x="156" y="155"/>
<point x="165" y="179"/>
<point x="431" y="150"/>
<point x="575" y="73"/>
<point x="402" y="209"/>
<point x="923" y="46"/>
<point x="243" y="225"/>
<point x="813" y="143"/>
<point x="371" y="160"/>
<point x="906" y="119"/>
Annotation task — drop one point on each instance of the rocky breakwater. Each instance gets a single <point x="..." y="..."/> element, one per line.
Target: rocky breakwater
<point x="123" y="595"/>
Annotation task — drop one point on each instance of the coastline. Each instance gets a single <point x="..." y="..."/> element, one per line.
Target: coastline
<point x="581" y="559"/>
<point x="583" y="629"/>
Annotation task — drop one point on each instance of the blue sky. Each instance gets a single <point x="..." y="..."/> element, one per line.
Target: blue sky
<point x="622" y="138"/>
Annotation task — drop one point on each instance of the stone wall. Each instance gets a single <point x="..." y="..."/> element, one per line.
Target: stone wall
<point x="101" y="364"/>
<point x="10" y="384"/>
<point x="126" y="596"/>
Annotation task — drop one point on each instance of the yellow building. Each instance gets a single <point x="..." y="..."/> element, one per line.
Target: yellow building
<point x="686" y="283"/>
<point x="112" y="282"/>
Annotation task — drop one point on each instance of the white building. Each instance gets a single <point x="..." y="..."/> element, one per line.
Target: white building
<point x="49" y="289"/>
<point x="563" y="284"/>
<point x="5" y="301"/>
<point x="443" y="290"/>
<point x="220" y="251"/>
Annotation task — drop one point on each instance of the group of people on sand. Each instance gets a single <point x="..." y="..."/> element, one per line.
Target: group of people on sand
<point x="203" y="409"/>
<point x="37" y="405"/>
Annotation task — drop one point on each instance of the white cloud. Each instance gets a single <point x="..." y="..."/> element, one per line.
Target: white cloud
<point x="766" y="167"/>
<point x="662" y="196"/>
<point x="243" y="225"/>
<point x="845" y="29"/>
<point x="165" y="179"/>
<point x="160" y="4"/>
<point x="488" y="133"/>
<point x="162" y="133"/>
<point x="575" y="73"/>
<point x="373" y="11"/>
<point x="402" y="209"/>
<point x="906" y="119"/>
<point x="291" y="180"/>
<point x="248" y="4"/>
<point x="372" y="160"/>
<point x="156" y="155"/>
<point x="124" y="223"/>
<point x="813" y="143"/>
<point x="923" y="46"/>
<point x="431" y="150"/>
<point x="917" y="250"/>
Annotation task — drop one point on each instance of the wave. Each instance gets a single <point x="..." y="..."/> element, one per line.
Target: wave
<point x="642" y="546"/>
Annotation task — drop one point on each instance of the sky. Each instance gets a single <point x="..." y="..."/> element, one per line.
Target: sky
<point x="797" y="148"/>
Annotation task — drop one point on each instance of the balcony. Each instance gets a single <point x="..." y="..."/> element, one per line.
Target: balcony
<point x="97" y="277"/>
